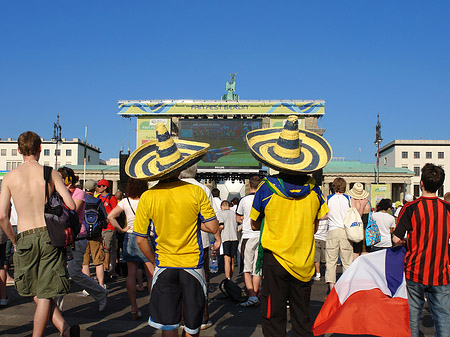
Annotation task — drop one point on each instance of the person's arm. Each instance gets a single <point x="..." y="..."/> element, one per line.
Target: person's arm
<point x="62" y="190"/>
<point x="146" y="249"/>
<point x="239" y="218"/>
<point x="256" y="224"/>
<point x="112" y="219"/>
<point x="397" y="241"/>
<point x="212" y="227"/>
<point x="5" y="202"/>
<point x="78" y="203"/>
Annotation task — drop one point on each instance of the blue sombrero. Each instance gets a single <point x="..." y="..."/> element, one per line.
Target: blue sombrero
<point x="164" y="157"/>
<point x="289" y="149"/>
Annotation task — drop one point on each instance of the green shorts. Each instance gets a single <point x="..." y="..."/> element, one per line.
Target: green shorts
<point x="40" y="268"/>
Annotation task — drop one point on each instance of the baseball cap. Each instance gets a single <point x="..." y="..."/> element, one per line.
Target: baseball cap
<point x="409" y="197"/>
<point x="103" y="182"/>
<point x="90" y="185"/>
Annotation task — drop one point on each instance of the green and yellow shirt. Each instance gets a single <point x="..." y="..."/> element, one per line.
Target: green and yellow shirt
<point x="289" y="206"/>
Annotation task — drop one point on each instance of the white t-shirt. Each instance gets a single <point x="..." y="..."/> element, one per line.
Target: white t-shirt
<point x="228" y="218"/>
<point x="128" y="212"/>
<point x="205" y="236"/>
<point x="217" y="203"/>
<point x="385" y="222"/>
<point x="322" y="230"/>
<point x="338" y="205"/>
<point x="244" y="208"/>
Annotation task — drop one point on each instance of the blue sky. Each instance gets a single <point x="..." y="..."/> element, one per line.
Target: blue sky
<point x="364" y="58"/>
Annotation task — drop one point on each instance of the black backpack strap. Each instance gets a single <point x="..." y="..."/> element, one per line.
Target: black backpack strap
<point x="48" y="179"/>
<point x="129" y="203"/>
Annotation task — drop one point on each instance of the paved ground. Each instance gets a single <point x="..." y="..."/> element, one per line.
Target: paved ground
<point x="229" y="319"/>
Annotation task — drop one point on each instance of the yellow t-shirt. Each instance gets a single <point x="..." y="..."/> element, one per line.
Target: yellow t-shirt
<point x="289" y="212"/>
<point x="177" y="210"/>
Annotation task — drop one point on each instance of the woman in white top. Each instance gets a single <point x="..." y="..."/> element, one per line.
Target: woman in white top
<point x="386" y="224"/>
<point x="131" y="252"/>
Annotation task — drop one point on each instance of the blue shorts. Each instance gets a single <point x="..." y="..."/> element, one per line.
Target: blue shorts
<point x="131" y="251"/>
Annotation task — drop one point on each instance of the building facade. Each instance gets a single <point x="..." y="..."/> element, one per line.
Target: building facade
<point x="413" y="155"/>
<point x="68" y="152"/>
<point x="398" y="179"/>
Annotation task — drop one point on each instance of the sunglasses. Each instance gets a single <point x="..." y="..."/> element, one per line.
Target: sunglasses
<point x="101" y="186"/>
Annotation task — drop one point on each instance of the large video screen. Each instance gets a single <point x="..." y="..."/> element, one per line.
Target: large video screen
<point x="227" y="138"/>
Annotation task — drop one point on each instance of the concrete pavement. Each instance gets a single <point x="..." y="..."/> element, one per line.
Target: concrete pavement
<point x="229" y="319"/>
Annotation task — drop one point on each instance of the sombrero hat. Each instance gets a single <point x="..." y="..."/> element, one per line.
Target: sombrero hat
<point x="289" y="149"/>
<point x="164" y="157"/>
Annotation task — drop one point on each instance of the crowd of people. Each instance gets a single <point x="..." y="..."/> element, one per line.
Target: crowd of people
<point x="281" y="236"/>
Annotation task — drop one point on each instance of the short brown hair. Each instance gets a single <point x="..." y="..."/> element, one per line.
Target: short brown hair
<point x="339" y="185"/>
<point x="432" y="177"/>
<point x="29" y="143"/>
<point x="254" y="182"/>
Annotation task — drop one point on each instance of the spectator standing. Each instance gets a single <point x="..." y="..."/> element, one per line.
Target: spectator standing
<point x="386" y="224"/>
<point x="249" y="244"/>
<point x="291" y="205"/>
<point x="216" y="197"/>
<point x="178" y="211"/>
<point x="228" y="227"/>
<point x="320" y="240"/>
<point x="426" y="221"/>
<point x="109" y="233"/>
<point x="95" y="244"/>
<point x="75" y="265"/>
<point x="39" y="268"/>
<point x="188" y="175"/>
<point x="360" y="201"/>
<point x="337" y="242"/>
<point x="131" y="253"/>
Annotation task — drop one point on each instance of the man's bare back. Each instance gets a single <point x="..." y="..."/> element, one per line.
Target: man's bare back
<point x="26" y="186"/>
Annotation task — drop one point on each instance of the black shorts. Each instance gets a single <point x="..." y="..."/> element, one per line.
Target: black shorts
<point x="174" y="290"/>
<point x="2" y="254"/>
<point x="230" y="248"/>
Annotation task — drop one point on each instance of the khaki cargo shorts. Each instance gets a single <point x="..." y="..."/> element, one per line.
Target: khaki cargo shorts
<point x="39" y="268"/>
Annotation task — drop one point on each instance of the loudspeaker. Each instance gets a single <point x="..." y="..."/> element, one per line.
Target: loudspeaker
<point x="122" y="161"/>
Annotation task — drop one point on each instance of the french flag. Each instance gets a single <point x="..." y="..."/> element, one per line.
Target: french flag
<point x="369" y="298"/>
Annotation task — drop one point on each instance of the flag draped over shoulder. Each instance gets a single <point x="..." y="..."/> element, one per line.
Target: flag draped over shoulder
<point x="369" y="298"/>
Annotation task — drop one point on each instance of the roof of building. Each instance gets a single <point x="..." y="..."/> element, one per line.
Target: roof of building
<point x="94" y="167"/>
<point x="415" y="142"/>
<point x="358" y="167"/>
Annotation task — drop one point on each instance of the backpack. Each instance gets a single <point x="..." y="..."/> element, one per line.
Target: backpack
<point x="63" y="224"/>
<point x="233" y="291"/>
<point x="373" y="235"/>
<point x="94" y="219"/>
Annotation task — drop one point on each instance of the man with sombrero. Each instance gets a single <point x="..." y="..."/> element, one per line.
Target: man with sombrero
<point x="287" y="207"/>
<point x="178" y="210"/>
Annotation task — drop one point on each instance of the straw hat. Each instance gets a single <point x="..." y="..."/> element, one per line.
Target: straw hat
<point x="289" y="149"/>
<point x="164" y="157"/>
<point x="358" y="192"/>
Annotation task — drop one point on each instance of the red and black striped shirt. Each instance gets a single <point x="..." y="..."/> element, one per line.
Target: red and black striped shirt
<point x="427" y="221"/>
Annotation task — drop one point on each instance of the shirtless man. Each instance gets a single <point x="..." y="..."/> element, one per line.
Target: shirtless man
<point x="40" y="268"/>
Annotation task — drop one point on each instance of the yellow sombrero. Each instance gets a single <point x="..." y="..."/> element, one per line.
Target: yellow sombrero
<point x="289" y="149"/>
<point x="163" y="157"/>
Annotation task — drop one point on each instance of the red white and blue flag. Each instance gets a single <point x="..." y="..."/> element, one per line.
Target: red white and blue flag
<point x="369" y="298"/>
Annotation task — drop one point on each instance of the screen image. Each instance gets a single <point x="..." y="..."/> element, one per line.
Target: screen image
<point x="227" y="138"/>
